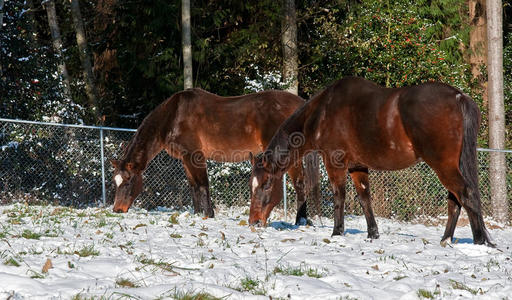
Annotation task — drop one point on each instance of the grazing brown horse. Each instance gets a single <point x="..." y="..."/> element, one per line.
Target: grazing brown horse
<point x="195" y="125"/>
<point x="357" y="125"/>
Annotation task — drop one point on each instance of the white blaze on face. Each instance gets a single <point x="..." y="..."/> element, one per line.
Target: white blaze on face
<point x="255" y="184"/>
<point x="118" y="179"/>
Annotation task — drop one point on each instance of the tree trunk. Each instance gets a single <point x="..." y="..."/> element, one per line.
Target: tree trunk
<point x="1" y="14"/>
<point x="81" y="40"/>
<point x="290" y="78"/>
<point x="289" y="41"/>
<point x="33" y="35"/>
<point x="478" y="43"/>
<point x="1" y="27"/>
<point x="497" y="163"/>
<point x="187" y="46"/>
<point x="32" y="27"/>
<point x="57" y="45"/>
<point x="105" y="65"/>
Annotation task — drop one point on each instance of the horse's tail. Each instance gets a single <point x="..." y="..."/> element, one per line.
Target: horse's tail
<point x="468" y="163"/>
<point x="312" y="180"/>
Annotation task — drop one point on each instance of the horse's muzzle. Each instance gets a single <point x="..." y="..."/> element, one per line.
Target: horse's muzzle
<point x="119" y="210"/>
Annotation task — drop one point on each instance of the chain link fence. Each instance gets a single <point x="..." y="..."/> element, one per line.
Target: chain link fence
<point x="59" y="164"/>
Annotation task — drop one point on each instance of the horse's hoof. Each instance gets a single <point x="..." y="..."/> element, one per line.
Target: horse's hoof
<point x="302" y="222"/>
<point x="337" y="232"/>
<point x="373" y="235"/>
<point x="446" y="242"/>
<point x="446" y="239"/>
<point x="484" y="241"/>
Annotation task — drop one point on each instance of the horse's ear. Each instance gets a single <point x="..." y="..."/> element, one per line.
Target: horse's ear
<point x="115" y="163"/>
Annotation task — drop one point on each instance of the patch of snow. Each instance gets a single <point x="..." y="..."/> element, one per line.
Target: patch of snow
<point x="13" y="145"/>
<point x="167" y="252"/>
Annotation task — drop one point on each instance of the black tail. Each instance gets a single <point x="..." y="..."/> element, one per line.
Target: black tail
<point x="468" y="163"/>
<point x="312" y="180"/>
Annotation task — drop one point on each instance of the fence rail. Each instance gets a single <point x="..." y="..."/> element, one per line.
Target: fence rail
<point x="68" y="165"/>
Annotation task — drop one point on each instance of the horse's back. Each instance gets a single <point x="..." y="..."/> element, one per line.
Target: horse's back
<point x="198" y="95"/>
<point x="220" y="126"/>
<point x="391" y="128"/>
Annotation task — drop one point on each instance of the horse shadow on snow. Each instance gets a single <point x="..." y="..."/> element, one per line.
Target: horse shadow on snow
<point x="281" y="225"/>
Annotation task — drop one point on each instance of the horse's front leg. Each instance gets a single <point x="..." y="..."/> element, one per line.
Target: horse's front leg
<point x="360" y="178"/>
<point x="297" y="176"/>
<point x="312" y="187"/>
<point x="336" y="168"/>
<point x="195" y="169"/>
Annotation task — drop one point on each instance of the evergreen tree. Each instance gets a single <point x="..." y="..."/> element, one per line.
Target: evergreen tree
<point x="30" y="85"/>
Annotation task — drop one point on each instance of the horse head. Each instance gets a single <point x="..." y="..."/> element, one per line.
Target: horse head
<point x="128" y="180"/>
<point x="266" y="190"/>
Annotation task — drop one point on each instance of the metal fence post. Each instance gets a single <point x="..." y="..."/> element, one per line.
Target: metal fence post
<point x="284" y="198"/>
<point x="103" y="190"/>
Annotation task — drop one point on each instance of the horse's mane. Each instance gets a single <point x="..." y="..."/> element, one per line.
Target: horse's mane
<point x="281" y="144"/>
<point x="148" y="131"/>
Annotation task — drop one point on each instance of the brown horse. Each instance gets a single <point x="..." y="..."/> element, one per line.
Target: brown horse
<point x="195" y="125"/>
<point x="357" y="125"/>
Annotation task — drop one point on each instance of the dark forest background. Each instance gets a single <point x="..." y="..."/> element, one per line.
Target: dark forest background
<point x="136" y="52"/>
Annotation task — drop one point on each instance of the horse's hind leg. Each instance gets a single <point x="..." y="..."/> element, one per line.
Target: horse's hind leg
<point x="360" y="178"/>
<point x="195" y="169"/>
<point x="297" y="176"/>
<point x="467" y="197"/>
<point x="453" y="216"/>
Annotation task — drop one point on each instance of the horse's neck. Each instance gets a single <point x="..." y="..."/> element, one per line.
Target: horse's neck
<point x="145" y="145"/>
<point x="289" y="144"/>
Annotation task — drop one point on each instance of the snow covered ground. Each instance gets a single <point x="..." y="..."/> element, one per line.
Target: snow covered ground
<point x="62" y="253"/>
